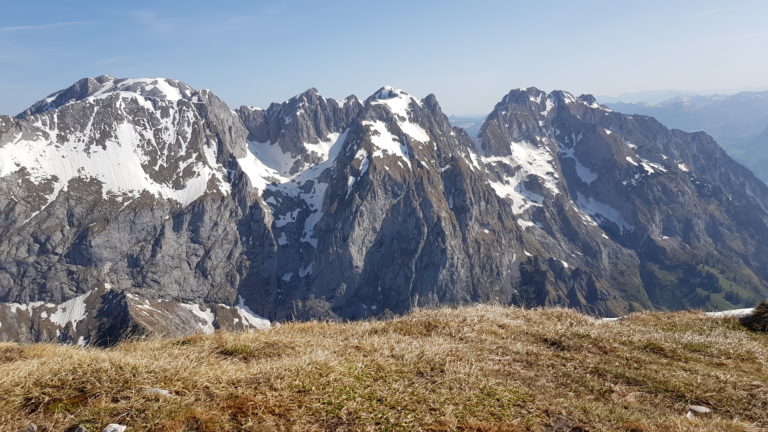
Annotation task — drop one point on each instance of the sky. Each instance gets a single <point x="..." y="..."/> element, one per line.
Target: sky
<point x="468" y="53"/>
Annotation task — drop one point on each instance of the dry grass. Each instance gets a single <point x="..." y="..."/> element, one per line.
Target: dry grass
<point x="484" y="368"/>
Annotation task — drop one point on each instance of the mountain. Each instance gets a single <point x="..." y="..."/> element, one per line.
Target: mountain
<point x="470" y="124"/>
<point x="318" y="208"/>
<point x="751" y="151"/>
<point x="649" y="97"/>
<point x="738" y="122"/>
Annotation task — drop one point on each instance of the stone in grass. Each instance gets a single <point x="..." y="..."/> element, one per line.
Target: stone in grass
<point x="30" y="428"/>
<point x="158" y="392"/>
<point x="697" y="410"/>
<point x="758" y="319"/>
<point x="114" y="427"/>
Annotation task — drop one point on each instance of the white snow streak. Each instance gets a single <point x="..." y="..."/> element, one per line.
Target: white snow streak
<point x="529" y="160"/>
<point x="249" y="317"/>
<point x="70" y="312"/>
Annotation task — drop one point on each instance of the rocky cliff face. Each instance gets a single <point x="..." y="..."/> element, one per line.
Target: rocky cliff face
<point x="104" y="316"/>
<point x="668" y="202"/>
<point x="317" y="208"/>
<point x="126" y="185"/>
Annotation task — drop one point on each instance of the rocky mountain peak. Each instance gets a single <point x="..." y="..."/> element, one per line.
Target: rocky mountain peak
<point x="106" y="85"/>
<point x="588" y="99"/>
<point x="522" y="96"/>
<point x="392" y="100"/>
<point x="405" y="109"/>
<point x="576" y="104"/>
<point x="309" y="97"/>
<point x="312" y="91"/>
<point x="388" y="92"/>
<point x="153" y="138"/>
<point x="396" y="99"/>
<point x="290" y="137"/>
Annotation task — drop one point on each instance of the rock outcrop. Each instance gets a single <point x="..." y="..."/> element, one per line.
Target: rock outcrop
<point x="106" y="316"/>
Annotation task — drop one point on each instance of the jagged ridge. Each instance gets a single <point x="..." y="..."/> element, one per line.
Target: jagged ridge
<point x="323" y="208"/>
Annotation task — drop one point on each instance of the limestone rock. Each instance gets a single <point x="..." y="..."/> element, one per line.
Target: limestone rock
<point x="697" y="411"/>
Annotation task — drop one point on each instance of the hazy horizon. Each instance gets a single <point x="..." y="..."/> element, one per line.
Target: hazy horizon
<point x="469" y="56"/>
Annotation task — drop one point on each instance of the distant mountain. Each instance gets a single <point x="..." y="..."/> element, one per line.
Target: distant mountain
<point x="648" y="97"/>
<point x="752" y="151"/>
<point x="737" y="122"/>
<point x="318" y="208"/>
<point x="470" y="124"/>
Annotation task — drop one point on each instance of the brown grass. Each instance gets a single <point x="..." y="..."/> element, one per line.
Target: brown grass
<point x="483" y="368"/>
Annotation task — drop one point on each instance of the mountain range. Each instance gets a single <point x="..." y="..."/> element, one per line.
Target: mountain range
<point x="738" y="122"/>
<point x="156" y="203"/>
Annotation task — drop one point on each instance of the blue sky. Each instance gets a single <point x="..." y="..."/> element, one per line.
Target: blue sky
<point x="469" y="53"/>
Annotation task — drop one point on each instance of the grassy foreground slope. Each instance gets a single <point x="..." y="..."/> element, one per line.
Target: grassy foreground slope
<point x="483" y="368"/>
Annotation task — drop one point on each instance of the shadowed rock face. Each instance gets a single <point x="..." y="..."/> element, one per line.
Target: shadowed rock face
<point x="316" y="208"/>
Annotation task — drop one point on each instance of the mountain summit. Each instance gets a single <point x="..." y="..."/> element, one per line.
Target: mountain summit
<point x="318" y="208"/>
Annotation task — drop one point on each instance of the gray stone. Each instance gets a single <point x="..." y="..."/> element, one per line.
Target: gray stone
<point x="158" y="392"/>
<point x="698" y="409"/>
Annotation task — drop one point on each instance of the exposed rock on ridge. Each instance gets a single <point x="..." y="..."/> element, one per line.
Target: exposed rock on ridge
<point x="104" y="316"/>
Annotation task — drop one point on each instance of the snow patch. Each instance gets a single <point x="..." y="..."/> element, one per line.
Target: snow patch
<point x="651" y="167"/>
<point x="731" y="313"/>
<point x="70" y="312"/>
<point x="399" y="103"/>
<point x="586" y="175"/>
<point x="306" y="271"/>
<point x="528" y="160"/>
<point x="249" y="317"/>
<point x="307" y="186"/>
<point x="122" y="163"/>
<point x="602" y="211"/>
<point x="525" y="223"/>
<point x="204" y="314"/>
<point x="386" y="142"/>
<point x="158" y="88"/>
